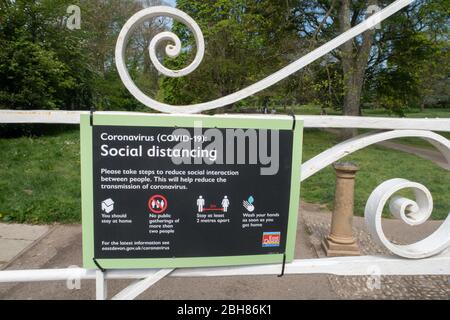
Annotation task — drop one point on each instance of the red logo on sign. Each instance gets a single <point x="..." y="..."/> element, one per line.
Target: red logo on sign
<point x="157" y="204"/>
<point x="271" y="239"/>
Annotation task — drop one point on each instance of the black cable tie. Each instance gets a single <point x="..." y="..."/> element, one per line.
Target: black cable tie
<point x="284" y="265"/>
<point x="92" y="116"/>
<point x="98" y="265"/>
<point x="294" y="119"/>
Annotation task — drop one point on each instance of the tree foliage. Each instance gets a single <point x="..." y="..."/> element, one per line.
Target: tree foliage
<point x="245" y="40"/>
<point x="409" y="67"/>
<point x="44" y="65"/>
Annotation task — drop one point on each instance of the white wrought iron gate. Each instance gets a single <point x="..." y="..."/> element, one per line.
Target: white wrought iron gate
<point x="429" y="256"/>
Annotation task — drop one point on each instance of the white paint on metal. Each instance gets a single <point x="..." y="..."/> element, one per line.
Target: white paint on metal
<point x="276" y="77"/>
<point x="344" y="266"/>
<point x="345" y="148"/>
<point x="381" y="123"/>
<point x="47" y="275"/>
<point x="138" y="287"/>
<point x="172" y="50"/>
<point x="101" y="285"/>
<point x="41" y="116"/>
<point x="411" y="212"/>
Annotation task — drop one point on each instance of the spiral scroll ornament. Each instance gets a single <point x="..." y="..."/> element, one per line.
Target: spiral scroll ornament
<point x="174" y="49"/>
<point x="412" y="212"/>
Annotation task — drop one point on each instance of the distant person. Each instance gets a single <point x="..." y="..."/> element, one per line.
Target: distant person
<point x="225" y="204"/>
<point x="266" y="105"/>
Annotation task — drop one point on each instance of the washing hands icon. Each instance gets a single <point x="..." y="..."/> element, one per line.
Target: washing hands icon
<point x="248" y="204"/>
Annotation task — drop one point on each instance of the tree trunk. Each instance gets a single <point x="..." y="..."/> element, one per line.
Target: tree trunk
<point x="422" y="105"/>
<point x="354" y="59"/>
<point x="352" y="98"/>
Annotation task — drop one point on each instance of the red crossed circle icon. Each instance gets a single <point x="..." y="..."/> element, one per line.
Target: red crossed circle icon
<point x="157" y="204"/>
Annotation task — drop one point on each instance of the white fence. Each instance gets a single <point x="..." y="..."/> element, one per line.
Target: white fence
<point x="428" y="256"/>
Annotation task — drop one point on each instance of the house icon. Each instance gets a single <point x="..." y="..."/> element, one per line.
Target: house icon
<point x="108" y="205"/>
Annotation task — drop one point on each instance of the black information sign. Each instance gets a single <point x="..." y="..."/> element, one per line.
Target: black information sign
<point x="165" y="192"/>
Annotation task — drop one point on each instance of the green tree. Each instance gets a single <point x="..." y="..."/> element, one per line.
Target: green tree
<point x="412" y="58"/>
<point x="42" y="63"/>
<point x="103" y="20"/>
<point x="245" y="41"/>
<point x="388" y="62"/>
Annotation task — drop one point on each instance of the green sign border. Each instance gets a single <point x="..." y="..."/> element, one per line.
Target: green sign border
<point x="187" y="121"/>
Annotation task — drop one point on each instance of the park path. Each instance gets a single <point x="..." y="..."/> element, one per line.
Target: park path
<point x="16" y="238"/>
<point x="317" y="223"/>
<point x="61" y="248"/>
<point x="428" y="154"/>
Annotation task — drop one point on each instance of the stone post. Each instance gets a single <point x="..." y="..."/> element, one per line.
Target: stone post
<point x="341" y="242"/>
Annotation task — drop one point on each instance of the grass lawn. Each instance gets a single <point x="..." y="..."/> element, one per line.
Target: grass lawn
<point x="377" y="164"/>
<point x="410" y="113"/>
<point x="40" y="177"/>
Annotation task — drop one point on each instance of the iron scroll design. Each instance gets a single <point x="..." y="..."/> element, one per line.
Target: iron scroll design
<point x="174" y="49"/>
<point x="412" y="212"/>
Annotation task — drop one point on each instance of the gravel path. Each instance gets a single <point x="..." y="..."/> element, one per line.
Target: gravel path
<point x="317" y="221"/>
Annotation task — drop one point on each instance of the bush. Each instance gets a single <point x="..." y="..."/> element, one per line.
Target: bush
<point x="31" y="77"/>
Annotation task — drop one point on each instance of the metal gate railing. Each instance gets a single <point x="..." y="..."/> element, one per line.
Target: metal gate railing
<point x="428" y="256"/>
